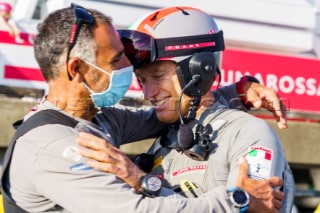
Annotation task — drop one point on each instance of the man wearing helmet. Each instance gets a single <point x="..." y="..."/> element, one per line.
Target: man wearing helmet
<point x="7" y="23"/>
<point x="205" y="140"/>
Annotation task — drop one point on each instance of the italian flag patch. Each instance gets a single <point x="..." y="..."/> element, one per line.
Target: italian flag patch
<point x="260" y="162"/>
<point x="262" y="153"/>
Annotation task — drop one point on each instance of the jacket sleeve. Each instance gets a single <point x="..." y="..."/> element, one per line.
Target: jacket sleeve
<point x="268" y="158"/>
<point x="129" y="126"/>
<point x="68" y="182"/>
<point x="266" y="161"/>
<point x="229" y="93"/>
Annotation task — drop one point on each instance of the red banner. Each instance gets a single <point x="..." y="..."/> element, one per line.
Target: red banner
<point x="23" y="73"/>
<point x="297" y="80"/>
<point x="27" y="39"/>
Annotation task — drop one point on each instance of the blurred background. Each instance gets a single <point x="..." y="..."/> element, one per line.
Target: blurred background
<point x="277" y="41"/>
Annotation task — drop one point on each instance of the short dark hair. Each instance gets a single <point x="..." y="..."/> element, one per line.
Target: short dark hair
<point x="52" y="40"/>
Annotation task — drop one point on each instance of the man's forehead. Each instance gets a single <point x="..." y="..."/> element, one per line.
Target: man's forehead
<point x="108" y="40"/>
<point x="157" y="66"/>
<point x="104" y="32"/>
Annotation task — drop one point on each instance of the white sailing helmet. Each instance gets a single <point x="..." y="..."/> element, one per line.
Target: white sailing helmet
<point x="177" y="22"/>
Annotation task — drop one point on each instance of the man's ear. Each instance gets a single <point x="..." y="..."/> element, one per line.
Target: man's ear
<point x="78" y="77"/>
<point x="74" y="69"/>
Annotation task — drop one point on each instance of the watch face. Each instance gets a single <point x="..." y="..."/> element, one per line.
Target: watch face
<point x="240" y="198"/>
<point x="153" y="183"/>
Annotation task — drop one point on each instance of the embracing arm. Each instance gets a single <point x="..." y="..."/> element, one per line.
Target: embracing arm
<point x="127" y="126"/>
<point x="76" y="187"/>
<point x="143" y="124"/>
<point x="245" y="94"/>
<point x="106" y="158"/>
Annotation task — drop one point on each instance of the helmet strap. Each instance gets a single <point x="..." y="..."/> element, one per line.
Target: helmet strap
<point x="194" y="105"/>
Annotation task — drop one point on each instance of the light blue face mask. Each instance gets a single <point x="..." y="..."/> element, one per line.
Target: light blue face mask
<point x="120" y="81"/>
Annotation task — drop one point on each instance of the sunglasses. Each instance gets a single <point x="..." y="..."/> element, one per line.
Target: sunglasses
<point x="142" y="49"/>
<point x="81" y="16"/>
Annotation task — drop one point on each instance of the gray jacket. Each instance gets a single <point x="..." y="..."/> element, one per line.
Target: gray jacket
<point x="238" y="135"/>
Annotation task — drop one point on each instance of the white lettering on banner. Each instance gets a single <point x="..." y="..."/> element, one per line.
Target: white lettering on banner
<point x="301" y="88"/>
<point x="272" y="81"/>
<point x="259" y="76"/>
<point x="230" y="79"/>
<point x="285" y="84"/>
<point x="311" y="86"/>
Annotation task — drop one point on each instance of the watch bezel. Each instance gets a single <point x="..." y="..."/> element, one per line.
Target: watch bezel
<point x="235" y="203"/>
<point x="145" y="187"/>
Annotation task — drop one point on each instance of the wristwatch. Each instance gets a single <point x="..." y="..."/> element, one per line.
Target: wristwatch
<point x="239" y="198"/>
<point x="150" y="185"/>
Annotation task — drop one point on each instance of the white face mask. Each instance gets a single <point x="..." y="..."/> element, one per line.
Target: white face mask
<point x="120" y="81"/>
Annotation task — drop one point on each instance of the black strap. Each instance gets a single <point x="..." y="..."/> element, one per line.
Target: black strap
<point x="41" y="118"/>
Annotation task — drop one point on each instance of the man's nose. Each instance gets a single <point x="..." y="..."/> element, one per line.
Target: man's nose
<point x="149" y="89"/>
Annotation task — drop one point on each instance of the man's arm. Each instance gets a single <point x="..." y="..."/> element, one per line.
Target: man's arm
<point x="257" y="142"/>
<point x="244" y="95"/>
<point x="263" y="197"/>
<point x="150" y="126"/>
<point x="127" y="126"/>
<point x="109" y="159"/>
<point x="71" y="184"/>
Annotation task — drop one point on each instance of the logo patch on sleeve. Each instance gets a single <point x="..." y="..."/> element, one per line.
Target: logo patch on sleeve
<point x="260" y="162"/>
<point x="190" y="169"/>
<point x="80" y="167"/>
<point x="72" y="153"/>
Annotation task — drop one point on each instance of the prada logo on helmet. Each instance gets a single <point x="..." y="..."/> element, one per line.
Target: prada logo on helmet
<point x="136" y="42"/>
<point x="190" y="46"/>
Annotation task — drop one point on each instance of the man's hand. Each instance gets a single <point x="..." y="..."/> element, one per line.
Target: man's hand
<point x="263" y="197"/>
<point x="260" y="96"/>
<point x="108" y="158"/>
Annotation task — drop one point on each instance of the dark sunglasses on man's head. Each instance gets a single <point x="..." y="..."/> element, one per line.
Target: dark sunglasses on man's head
<point x="81" y="16"/>
<point x="142" y="49"/>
